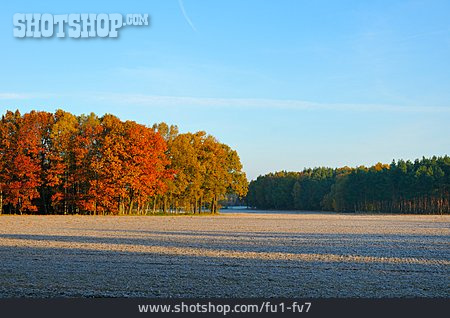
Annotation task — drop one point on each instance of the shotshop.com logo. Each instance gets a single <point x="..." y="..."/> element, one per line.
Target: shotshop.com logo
<point x="85" y="25"/>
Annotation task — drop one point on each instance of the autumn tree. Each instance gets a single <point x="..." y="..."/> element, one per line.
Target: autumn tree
<point x="205" y="171"/>
<point x="60" y="170"/>
<point x="24" y="142"/>
<point x="62" y="163"/>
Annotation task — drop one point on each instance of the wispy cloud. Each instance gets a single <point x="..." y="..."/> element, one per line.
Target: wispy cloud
<point x="13" y="96"/>
<point x="213" y="102"/>
<point x="172" y="101"/>
<point x="22" y="96"/>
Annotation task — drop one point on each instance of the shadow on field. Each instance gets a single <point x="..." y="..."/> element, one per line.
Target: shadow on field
<point x="268" y="234"/>
<point x="400" y="246"/>
<point x="73" y="272"/>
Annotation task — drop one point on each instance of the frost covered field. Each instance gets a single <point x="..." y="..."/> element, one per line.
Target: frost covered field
<point x="243" y="255"/>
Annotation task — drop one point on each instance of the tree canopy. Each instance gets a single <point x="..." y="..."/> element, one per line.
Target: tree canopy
<point x="62" y="163"/>
<point x="420" y="186"/>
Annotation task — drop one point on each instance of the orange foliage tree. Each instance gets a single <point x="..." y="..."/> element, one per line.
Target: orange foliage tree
<point x="67" y="164"/>
<point x="23" y="148"/>
<point x="61" y="163"/>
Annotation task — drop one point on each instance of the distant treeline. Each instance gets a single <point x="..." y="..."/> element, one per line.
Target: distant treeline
<point x="421" y="186"/>
<point x="64" y="164"/>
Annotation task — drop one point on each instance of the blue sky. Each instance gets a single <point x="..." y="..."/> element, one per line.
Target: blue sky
<point x="288" y="84"/>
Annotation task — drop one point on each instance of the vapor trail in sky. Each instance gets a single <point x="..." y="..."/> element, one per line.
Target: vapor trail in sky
<point x="180" y="2"/>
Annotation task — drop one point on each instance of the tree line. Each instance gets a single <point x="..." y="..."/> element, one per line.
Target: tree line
<point x="59" y="163"/>
<point x="419" y="186"/>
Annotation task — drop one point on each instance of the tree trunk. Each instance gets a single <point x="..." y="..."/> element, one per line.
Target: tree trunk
<point x="165" y="205"/>
<point x="130" y="209"/>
